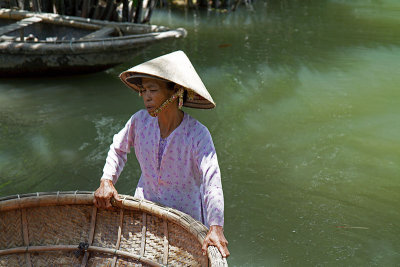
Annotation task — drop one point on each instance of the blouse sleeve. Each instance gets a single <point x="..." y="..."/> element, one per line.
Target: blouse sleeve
<point x="207" y="162"/>
<point x="117" y="155"/>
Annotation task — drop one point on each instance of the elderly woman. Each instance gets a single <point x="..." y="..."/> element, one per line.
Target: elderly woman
<point x="176" y="154"/>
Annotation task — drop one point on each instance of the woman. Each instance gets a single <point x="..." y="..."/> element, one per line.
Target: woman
<point x="176" y="154"/>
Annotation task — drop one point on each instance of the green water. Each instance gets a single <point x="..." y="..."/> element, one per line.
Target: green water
<point x="306" y="128"/>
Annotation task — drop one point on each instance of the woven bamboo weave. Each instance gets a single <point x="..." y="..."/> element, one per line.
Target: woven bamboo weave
<point x="66" y="229"/>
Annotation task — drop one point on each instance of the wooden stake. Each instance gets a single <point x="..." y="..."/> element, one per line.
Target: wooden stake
<point x="144" y="230"/>
<point x="138" y="13"/>
<point x="91" y="235"/>
<point x="166" y="244"/>
<point x="26" y="236"/>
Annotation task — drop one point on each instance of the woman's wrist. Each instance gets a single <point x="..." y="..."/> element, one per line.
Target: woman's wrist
<point x="217" y="227"/>
<point x="106" y="180"/>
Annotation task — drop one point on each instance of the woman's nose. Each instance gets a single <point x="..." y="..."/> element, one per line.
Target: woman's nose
<point x="146" y="96"/>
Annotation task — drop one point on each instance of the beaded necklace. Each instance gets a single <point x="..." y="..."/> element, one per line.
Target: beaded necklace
<point x="169" y="101"/>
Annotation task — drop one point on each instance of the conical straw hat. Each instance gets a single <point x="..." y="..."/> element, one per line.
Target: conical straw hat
<point x="174" y="67"/>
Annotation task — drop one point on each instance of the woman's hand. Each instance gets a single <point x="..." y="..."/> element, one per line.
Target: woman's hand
<point x="215" y="237"/>
<point x="103" y="195"/>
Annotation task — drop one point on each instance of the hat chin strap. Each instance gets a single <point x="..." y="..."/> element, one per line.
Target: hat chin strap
<point x="166" y="103"/>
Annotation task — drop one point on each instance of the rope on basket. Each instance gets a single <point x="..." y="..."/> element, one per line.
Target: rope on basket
<point x="91" y="234"/>
<point x="82" y="248"/>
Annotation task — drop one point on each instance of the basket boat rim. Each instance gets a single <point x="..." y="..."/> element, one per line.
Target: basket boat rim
<point x="41" y="199"/>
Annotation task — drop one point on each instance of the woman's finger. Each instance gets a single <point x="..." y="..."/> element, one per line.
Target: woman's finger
<point x="108" y="203"/>
<point x="103" y="202"/>
<point x="116" y="196"/>
<point x="226" y="251"/>
<point x="205" y="245"/>
<point x="99" y="202"/>
<point x="221" y="249"/>
<point x="95" y="202"/>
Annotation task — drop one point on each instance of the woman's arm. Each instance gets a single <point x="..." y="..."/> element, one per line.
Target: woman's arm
<point x="115" y="162"/>
<point x="213" y="197"/>
<point x="117" y="155"/>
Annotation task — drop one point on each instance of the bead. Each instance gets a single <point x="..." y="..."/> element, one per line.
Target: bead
<point x="168" y="101"/>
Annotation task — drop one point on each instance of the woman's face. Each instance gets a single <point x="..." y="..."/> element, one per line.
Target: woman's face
<point x="154" y="93"/>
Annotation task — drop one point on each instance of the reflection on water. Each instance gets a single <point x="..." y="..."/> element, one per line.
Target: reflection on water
<point x="306" y="128"/>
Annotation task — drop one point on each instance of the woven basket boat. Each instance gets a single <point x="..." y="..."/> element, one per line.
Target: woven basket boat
<point x="42" y="44"/>
<point x="66" y="229"/>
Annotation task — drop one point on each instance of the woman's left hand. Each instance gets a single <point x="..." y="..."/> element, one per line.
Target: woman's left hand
<point x="215" y="237"/>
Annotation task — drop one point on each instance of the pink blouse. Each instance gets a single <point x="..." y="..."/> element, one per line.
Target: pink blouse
<point x="187" y="178"/>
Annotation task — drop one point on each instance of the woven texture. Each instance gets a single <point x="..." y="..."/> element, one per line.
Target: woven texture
<point x="55" y="258"/>
<point x="131" y="232"/>
<point x="68" y="224"/>
<point x="46" y="230"/>
<point x="106" y="232"/>
<point x="154" y="239"/>
<point x="10" y="229"/>
<point x="13" y="260"/>
<point x="97" y="259"/>
<point x="184" y="250"/>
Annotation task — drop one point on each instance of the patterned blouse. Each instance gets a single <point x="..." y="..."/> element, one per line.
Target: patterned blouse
<point x="186" y="175"/>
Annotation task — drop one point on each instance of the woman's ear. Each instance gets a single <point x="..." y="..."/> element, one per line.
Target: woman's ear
<point x="176" y="87"/>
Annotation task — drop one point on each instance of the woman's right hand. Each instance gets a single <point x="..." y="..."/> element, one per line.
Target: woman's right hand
<point x="103" y="195"/>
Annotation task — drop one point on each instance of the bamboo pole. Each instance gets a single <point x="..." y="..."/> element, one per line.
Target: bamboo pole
<point x="131" y="11"/>
<point x="36" y="6"/>
<point x="27" y="5"/>
<point x="108" y="9"/>
<point x="91" y="235"/>
<point x="138" y="13"/>
<point x="45" y="6"/>
<point x="166" y="243"/>
<point x="62" y="7"/>
<point x="125" y="10"/>
<point x="13" y="3"/>
<point x="55" y="6"/>
<point x="121" y="222"/>
<point x="85" y="8"/>
<point x="98" y="12"/>
<point x="78" y="9"/>
<point x="33" y="249"/>
<point x="152" y="5"/>
<point x="144" y="231"/>
<point x="25" y="234"/>
<point x="68" y="7"/>
<point x="114" y="14"/>
<point x="20" y="4"/>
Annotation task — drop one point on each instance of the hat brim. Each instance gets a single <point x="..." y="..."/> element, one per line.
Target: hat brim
<point x="132" y="80"/>
<point x="136" y="79"/>
<point x="174" y="67"/>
